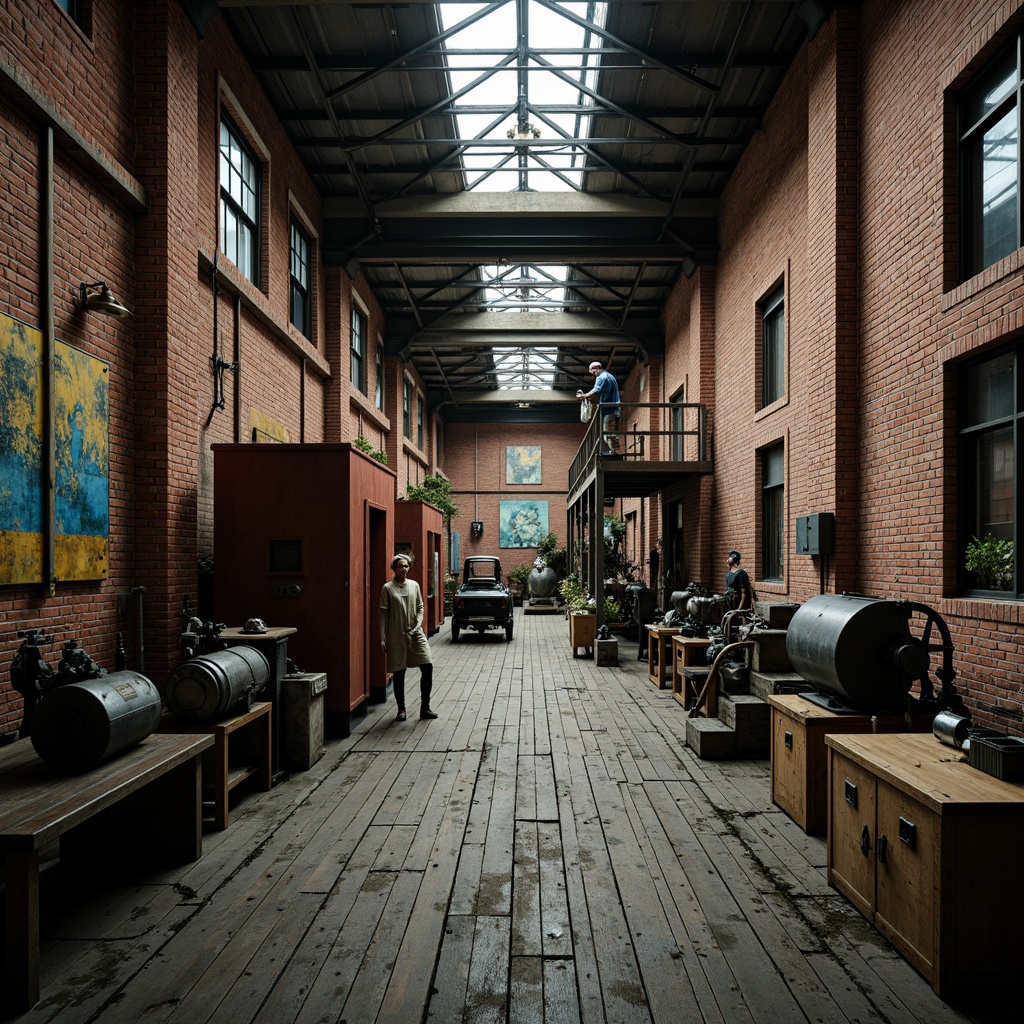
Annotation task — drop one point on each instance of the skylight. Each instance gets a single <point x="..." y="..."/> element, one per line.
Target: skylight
<point x="527" y="111"/>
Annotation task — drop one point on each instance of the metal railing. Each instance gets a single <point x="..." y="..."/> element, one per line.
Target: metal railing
<point x="683" y="438"/>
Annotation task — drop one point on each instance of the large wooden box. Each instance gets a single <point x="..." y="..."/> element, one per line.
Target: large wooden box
<point x="928" y="849"/>
<point x="799" y="758"/>
<point x="582" y="631"/>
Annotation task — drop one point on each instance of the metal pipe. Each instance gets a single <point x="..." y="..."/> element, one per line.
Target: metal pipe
<point x="140" y="645"/>
<point x="49" y="580"/>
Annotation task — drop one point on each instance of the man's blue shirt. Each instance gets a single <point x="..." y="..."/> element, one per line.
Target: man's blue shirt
<point x="607" y="389"/>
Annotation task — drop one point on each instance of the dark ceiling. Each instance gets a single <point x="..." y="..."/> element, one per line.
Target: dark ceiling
<point x="503" y="297"/>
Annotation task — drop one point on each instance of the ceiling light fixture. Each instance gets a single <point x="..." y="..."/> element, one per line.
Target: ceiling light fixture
<point x="523" y="132"/>
<point x="100" y="299"/>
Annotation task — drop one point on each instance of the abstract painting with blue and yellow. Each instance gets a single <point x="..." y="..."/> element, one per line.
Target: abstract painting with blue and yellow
<point x="81" y="424"/>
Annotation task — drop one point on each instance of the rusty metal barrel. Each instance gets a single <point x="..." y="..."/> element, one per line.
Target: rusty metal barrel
<point x="211" y="684"/>
<point x="858" y="648"/>
<point x="79" y="725"/>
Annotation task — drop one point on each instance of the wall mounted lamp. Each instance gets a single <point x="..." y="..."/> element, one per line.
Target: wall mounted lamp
<point x="477" y="528"/>
<point x="99" y="298"/>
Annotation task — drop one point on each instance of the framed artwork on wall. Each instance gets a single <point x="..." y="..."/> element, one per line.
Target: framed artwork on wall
<point x="522" y="464"/>
<point x="81" y="514"/>
<point x="522" y="524"/>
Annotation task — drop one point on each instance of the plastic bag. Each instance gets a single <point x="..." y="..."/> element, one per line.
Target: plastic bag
<point x="586" y="410"/>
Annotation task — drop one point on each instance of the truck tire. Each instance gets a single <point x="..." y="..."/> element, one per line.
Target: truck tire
<point x="508" y="631"/>
<point x="455" y="632"/>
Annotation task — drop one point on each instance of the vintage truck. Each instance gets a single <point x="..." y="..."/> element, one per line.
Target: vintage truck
<point x="482" y="601"/>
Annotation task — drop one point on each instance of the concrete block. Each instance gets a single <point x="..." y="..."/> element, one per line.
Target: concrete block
<point x="710" y="738"/>
<point x="764" y="683"/>
<point x="606" y="653"/>
<point x="770" y="654"/>
<point x="750" y="718"/>
<point x="777" y="614"/>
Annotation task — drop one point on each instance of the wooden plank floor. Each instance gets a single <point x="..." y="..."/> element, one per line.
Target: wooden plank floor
<point x="548" y="850"/>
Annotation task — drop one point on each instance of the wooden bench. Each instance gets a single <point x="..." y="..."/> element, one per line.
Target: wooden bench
<point x="39" y="806"/>
<point x="224" y="767"/>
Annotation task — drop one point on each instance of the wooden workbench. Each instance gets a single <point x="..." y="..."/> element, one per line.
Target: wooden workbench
<point x="39" y="806"/>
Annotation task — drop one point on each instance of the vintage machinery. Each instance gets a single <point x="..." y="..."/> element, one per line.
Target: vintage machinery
<point x="80" y="724"/>
<point x="32" y="677"/>
<point x="695" y="610"/>
<point x="210" y="685"/>
<point x="869" y="652"/>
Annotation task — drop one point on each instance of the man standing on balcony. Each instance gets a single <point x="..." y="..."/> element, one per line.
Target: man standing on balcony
<point x="605" y="392"/>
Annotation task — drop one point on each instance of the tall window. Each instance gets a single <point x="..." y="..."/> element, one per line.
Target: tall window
<point x="677" y="421"/>
<point x="379" y="386"/>
<point x="419" y="422"/>
<point x="773" y="511"/>
<point x="990" y="166"/>
<point x="299" y="307"/>
<point x="358" y="347"/>
<point x="407" y="409"/>
<point x="992" y="418"/>
<point x="773" y="348"/>
<point x="239" y="201"/>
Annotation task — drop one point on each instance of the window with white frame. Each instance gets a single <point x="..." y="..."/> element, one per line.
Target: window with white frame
<point x="407" y="409"/>
<point x="357" y="345"/>
<point x="379" y="386"/>
<point x="300" y="308"/>
<point x="419" y="422"/>
<point x="239" y="201"/>
<point x="773" y="347"/>
<point x="773" y="512"/>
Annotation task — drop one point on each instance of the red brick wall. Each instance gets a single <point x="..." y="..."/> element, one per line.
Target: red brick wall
<point x="475" y="463"/>
<point x="81" y="83"/>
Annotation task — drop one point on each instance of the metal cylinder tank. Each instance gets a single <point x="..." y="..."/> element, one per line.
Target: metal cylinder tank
<point x="211" y="684"/>
<point x="78" y="725"/>
<point x="859" y="648"/>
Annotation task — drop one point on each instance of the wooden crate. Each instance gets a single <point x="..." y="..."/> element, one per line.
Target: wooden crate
<point x="582" y="632"/>
<point x="928" y="849"/>
<point x="799" y="756"/>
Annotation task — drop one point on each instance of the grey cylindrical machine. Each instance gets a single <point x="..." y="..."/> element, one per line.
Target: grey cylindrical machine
<point x="211" y="684"/>
<point x="78" y="725"/>
<point x="859" y="648"/>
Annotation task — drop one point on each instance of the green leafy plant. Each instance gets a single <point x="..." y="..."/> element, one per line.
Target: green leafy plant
<point x="518" y="575"/>
<point x="361" y="444"/>
<point x="991" y="561"/>
<point x="436" y="491"/>
<point x="555" y="558"/>
<point x="612" y="610"/>
<point x="570" y="589"/>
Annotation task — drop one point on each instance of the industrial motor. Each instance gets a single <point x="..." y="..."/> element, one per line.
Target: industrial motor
<point x="78" y="725"/>
<point x="211" y="684"/>
<point x="858" y="648"/>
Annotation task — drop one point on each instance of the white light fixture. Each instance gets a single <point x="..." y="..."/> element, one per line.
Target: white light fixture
<point x="523" y="132"/>
<point x="100" y="299"/>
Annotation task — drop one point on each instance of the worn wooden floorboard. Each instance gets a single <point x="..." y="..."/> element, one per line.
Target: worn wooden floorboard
<point x="548" y="850"/>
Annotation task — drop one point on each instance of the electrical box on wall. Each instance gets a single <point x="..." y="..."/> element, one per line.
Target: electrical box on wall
<point x="816" y="535"/>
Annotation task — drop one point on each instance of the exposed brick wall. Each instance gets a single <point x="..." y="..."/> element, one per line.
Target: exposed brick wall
<point x="476" y="466"/>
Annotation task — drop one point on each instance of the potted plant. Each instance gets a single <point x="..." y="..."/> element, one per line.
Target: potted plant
<point x="517" y="578"/>
<point x="613" y="613"/>
<point x="991" y="562"/>
<point x="582" y="614"/>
